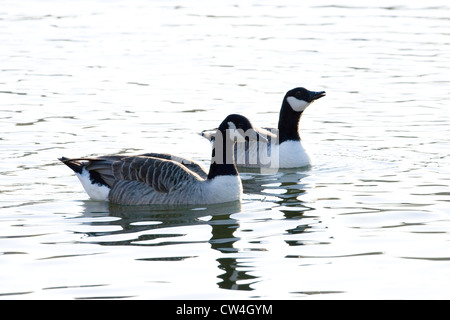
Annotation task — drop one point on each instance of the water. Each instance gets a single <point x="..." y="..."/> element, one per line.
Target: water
<point x="370" y="219"/>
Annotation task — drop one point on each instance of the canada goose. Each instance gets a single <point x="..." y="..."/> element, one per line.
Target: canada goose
<point x="155" y="178"/>
<point x="284" y="148"/>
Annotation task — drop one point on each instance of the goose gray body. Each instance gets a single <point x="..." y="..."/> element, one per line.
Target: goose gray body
<point x="157" y="178"/>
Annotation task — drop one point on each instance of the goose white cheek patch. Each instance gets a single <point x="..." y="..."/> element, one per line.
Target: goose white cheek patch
<point x="296" y="104"/>
<point x="231" y="125"/>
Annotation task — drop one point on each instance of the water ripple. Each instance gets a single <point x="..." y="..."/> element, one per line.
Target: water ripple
<point x="140" y="77"/>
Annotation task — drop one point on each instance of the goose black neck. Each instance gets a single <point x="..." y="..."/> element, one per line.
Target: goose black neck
<point x="222" y="159"/>
<point x="288" y="123"/>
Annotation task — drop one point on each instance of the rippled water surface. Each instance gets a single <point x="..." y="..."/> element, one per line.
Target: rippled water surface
<point x="369" y="219"/>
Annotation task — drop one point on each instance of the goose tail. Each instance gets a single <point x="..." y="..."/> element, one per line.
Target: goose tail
<point x="72" y="164"/>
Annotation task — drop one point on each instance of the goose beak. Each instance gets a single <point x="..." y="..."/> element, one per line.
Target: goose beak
<point x="208" y="134"/>
<point x="316" y="95"/>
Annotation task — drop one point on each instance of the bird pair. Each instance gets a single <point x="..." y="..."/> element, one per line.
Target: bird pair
<point x="158" y="178"/>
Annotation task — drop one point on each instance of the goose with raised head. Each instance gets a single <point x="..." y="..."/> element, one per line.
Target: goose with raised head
<point x="283" y="148"/>
<point x="156" y="178"/>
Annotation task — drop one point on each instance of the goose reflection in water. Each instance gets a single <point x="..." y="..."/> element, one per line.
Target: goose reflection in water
<point x="136" y="223"/>
<point x="284" y="188"/>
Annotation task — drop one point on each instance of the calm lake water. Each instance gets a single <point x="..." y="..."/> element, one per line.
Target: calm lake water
<point x="369" y="220"/>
